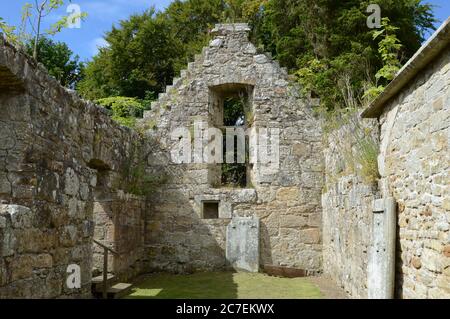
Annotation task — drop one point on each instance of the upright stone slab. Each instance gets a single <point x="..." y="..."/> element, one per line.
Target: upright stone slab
<point x="381" y="266"/>
<point x="243" y="244"/>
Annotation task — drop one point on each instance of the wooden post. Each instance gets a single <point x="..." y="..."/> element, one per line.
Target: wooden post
<point x="105" y="273"/>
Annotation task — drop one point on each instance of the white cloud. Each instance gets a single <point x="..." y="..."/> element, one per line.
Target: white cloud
<point x="98" y="43"/>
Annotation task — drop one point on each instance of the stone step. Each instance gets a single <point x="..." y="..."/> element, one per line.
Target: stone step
<point x="198" y="58"/>
<point x="154" y="105"/>
<point x="147" y="115"/>
<point x="97" y="282"/>
<point x="119" y="290"/>
<point x="175" y="82"/>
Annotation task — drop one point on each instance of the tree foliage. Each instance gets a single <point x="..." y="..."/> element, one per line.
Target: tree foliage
<point x="388" y="48"/>
<point x="146" y="51"/>
<point x="325" y="43"/>
<point x="59" y="61"/>
<point x="33" y="15"/>
<point x="124" y="110"/>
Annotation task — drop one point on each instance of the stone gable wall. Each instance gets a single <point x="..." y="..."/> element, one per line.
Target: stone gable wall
<point x="287" y="201"/>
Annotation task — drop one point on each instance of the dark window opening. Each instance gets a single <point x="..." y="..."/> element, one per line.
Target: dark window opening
<point x="235" y="174"/>
<point x="234" y="111"/>
<point x="231" y="107"/>
<point x="210" y="210"/>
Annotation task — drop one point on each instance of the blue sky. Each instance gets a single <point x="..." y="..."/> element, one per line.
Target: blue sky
<point x="102" y="14"/>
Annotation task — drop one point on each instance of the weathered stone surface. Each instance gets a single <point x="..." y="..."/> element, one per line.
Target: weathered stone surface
<point x="243" y="243"/>
<point x="347" y="218"/>
<point x="416" y="263"/>
<point x="53" y="149"/>
<point x="288" y="194"/>
<point x="417" y="174"/>
<point x="280" y="195"/>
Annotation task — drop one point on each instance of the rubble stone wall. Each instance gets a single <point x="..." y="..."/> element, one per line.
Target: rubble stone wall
<point x="287" y="201"/>
<point x="415" y="169"/>
<point x="54" y="149"/>
<point x="414" y="164"/>
<point x="347" y="215"/>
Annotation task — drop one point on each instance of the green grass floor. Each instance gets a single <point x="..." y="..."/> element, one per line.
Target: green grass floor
<point x="223" y="285"/>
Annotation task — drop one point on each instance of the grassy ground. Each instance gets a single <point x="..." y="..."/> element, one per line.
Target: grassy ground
<point x="223" y="285"/>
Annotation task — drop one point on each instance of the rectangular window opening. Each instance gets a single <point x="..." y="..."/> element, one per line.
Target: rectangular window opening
<point x="211" y="210"/>
<point x="231" y="108"/>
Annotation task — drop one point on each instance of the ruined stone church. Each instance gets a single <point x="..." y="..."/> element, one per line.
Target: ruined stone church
<point x="80" y="192"/>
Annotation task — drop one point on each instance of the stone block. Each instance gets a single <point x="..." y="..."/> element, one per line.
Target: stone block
<point x="243" y="196"/>
<point x="5" y="185"/>
<point x="43" y="261"/>
<point x="416" y="262"/>
<point x="310" y="236"/>
<point x="242" y="251"/>
<point x="288" y="194"/>
<point x="68" y="236"/>
<point x="8" y="244"/>
<point x="21" y="216"/>
<point x="431" y="260"/>
<point x="446" y="251"/>
<point x="293" y="221"/>
<point x="2" y="222"/>
<point x="71" y="182"/>
<point x="301" y="149"/>
<point x="21" y="267"/>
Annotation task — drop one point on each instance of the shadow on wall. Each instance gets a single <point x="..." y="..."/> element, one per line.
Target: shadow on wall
<point x="398" y="265"/>
<point x="119" y="223"/>
<point x="178" y="239"/>
<point x="265" y="257"/>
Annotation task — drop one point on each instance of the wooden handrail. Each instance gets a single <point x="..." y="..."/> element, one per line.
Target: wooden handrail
<point x="106" y="249"/>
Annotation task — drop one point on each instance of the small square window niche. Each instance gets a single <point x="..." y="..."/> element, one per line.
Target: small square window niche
<point x="211" y="210"/>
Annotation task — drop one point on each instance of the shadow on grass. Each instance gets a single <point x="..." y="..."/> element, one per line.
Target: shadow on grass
<point x="223" y="285"/>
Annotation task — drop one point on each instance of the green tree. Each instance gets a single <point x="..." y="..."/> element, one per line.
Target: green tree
<point x="329" y="47"/>
<point x="33" y="16"/>
<point x="9" y="31"/>
<point x="140" y="58"/>
<point x="388" y="48"/>
<point x="325" y="43"/>
<point x="146" y="51"/>
<point x="124" y="110"/>
<point x="59" y="61"/>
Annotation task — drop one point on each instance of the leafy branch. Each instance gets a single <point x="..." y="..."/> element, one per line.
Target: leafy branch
<point x="388" y="48"/>
<point x="33" y="15"/>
